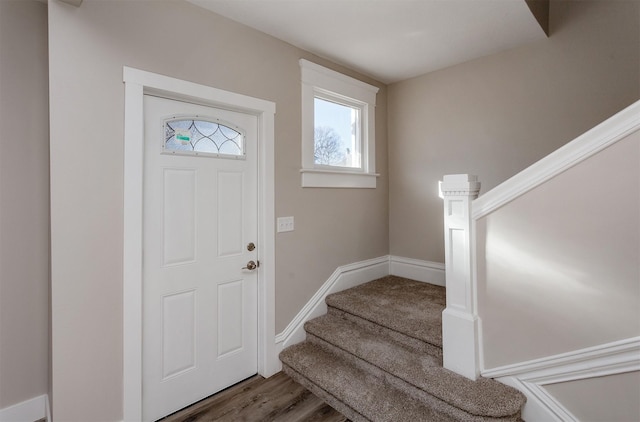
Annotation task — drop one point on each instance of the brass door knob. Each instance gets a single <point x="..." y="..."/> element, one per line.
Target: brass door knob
<point x="250" y="266"/>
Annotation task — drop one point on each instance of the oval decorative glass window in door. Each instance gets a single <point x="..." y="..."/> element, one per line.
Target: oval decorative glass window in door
<point x="198" y="136"/>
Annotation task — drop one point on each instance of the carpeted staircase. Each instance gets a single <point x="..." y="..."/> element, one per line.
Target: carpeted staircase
<point x="377" y="356"/>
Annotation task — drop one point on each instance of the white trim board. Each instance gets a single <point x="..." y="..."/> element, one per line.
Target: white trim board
<point x="343" y="278"/>
<point x="137" y="83"/>
<point x="606" y="359"/>
<point x="417" y="269"/>
<point x="531" y="376"/>
<point x="28" y="411"/>
<point x="540" y="406"/>
<point x="586" y="145"/>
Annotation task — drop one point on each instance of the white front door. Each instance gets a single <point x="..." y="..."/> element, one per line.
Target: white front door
<point x="200" y="217"/>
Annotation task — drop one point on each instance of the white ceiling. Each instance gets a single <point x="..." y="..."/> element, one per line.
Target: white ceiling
<point x="389" y="40"/>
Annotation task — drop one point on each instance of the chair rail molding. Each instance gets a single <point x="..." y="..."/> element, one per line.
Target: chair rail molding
<point x="460" y="322"/>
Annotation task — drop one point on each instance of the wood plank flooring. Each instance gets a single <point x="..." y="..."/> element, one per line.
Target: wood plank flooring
<point x="276" y="399"/>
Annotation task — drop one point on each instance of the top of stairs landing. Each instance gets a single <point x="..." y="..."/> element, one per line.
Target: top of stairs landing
<point x="409" y="307"/>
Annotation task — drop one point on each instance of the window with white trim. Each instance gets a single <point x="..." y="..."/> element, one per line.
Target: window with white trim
<point x="338" y="129"/>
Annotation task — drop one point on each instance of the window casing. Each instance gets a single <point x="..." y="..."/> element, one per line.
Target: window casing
<point x="349" y="162"/>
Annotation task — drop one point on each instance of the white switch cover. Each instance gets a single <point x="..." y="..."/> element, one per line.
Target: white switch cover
<point x="285" y="224"/>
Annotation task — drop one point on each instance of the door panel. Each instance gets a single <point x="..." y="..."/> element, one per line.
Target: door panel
<point x="179" y="223"/>
<point x="230" y="225"/>
<point x="230" y="308"/>
<point x="178" y="333"/>
<point x="200" y="212"/>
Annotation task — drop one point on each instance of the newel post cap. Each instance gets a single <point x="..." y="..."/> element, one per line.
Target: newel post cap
<point x="460" y="184"/>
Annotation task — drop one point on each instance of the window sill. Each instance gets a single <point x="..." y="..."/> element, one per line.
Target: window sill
<point x="314" y="178"/>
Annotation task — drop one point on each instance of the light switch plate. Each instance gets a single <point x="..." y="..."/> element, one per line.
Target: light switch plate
<point x="285" y="224"/>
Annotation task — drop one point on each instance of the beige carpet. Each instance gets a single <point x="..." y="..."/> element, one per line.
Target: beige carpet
<point x="376" y="356"/>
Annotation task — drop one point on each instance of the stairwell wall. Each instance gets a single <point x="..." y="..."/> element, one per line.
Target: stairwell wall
<point x="558" y="271"/>
<point x="497" y="115"/>
<point x="558" y="267"/>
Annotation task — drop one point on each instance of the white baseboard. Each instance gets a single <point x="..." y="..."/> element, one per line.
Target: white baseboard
<point x="530" y="377"/>
<point x="28" y="411"/>
<point x="540" y="406"/>
<point x="342" y="278"/>
<point x="416" y="269"/>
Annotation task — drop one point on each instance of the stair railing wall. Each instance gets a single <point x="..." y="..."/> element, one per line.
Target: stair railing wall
<point x="462" y="325"/>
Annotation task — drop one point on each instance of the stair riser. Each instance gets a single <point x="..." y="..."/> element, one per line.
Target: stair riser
<point x="411" y="390"/>
<point x="328" y="398"/>
<point x="410" y="342"/>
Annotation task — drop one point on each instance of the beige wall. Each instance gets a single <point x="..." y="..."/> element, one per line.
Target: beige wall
<point x="88" y="47"/>
<point x="561" y="270"/>
<point x="497" y="115"/>
<point x="24" y="202"/>
<point x="613" y="398"/>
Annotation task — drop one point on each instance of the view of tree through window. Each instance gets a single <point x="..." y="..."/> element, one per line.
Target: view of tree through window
<point x="336" y="134"/>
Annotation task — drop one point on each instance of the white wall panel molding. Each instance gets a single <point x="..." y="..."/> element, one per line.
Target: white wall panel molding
<point x="607" y="359"/>
<point x="417" y="269"/>
<point x="540" y="406"/>
<point x="586" y="145"/>
<point x="530" y="377"/>
<point x="28" y="411"/>
<point x="343" y="278"/>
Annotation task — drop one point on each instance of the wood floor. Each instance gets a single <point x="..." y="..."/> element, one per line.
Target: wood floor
<point x="276" y="399"/>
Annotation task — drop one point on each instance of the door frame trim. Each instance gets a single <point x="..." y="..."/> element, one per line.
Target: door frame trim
<point x="137" y="83"/>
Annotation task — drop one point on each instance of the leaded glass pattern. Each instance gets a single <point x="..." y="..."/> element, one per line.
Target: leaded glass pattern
<point x="192" y="135"/>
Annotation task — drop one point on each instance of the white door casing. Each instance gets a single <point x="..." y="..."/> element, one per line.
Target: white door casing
<point x="200" y="213"/>
<point x="138" y="83"/>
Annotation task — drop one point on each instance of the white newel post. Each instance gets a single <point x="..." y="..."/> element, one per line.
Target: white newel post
<point x="459" y="319"/>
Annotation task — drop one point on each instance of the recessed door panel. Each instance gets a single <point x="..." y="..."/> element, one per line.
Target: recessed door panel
<point x="178" y="333"/>
<point x="230" y="315"/>
<point x="230" y="224"/>
<point x="179" y="216"/>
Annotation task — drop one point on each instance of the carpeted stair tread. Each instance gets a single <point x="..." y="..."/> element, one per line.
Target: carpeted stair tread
<point x="409" y="307"/>
<point x="408" y="341"/>
<point x="377" y="356"/>
<point x="368" y="395"/>
<point x="327" y="397"/>
<point x="483" y="397"/>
